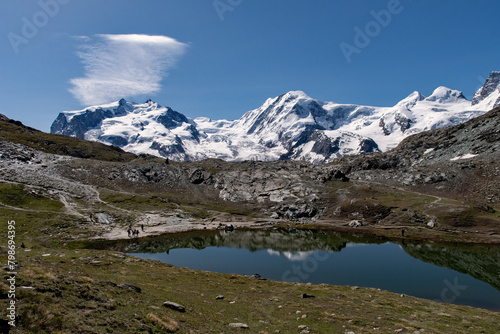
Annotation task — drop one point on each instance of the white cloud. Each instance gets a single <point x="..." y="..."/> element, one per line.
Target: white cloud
<point x="119" y="66"/>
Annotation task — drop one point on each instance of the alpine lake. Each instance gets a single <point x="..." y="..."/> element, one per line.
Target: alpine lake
<point x="448" y="273"/>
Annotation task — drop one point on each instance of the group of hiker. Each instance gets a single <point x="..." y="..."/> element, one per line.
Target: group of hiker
<point x="134" y="232"/>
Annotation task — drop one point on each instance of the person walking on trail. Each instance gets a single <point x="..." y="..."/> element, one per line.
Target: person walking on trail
<point x="142" y="227"/>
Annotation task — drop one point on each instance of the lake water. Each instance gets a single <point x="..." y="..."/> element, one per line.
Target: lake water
<point x="468" y="275"/>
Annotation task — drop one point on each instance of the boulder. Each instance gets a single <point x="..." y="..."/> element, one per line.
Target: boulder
<point x="174" y="306"/>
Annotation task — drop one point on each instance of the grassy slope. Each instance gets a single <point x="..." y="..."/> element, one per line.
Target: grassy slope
<point x="16" y="132"/>
<point x="74" y="290"/>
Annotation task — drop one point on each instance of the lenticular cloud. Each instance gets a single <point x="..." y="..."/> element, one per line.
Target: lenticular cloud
<point x="119" y="66"/>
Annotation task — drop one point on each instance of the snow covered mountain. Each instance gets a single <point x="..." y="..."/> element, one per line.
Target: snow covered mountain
<point x="291" y="126"/>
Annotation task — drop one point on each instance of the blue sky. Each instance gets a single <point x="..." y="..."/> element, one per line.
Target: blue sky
<point x="222" y="58"/>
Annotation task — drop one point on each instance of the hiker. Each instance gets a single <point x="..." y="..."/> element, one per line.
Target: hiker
<point x="142" y="227"/>
<point x="403" y="232"/>
<point x="128" y="231"/>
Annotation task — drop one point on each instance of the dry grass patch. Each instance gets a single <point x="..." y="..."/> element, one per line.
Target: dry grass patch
<point x="165" y="322"/>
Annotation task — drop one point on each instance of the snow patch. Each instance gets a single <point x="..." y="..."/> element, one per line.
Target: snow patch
<point x="463" y="157"/>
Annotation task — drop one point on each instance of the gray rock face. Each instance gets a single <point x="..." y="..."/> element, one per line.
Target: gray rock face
<point x="267" y="182"/>
<point x="12" y="152"/>
<point x="492" y="84"/>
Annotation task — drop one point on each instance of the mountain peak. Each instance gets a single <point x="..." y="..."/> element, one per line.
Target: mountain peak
<point x="298" y="94"/>
<point x="444" y="94"/>
<point x="411" y="100"/>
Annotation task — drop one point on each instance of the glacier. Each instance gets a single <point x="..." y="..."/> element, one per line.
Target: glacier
<point x="292" y="126"/>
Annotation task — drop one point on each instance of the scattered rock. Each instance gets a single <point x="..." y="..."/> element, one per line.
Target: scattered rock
<point x="219" y="297"/>
<point x="238" y="325"/>
<point x="130" y="287"/>
<point x="174" y="306"/>
<point x="257" y="276"/>
<point x="355" y="224"/>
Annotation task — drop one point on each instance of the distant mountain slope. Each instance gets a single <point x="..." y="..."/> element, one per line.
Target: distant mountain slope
<point x="292" y="126"/>
<point x="462" y="161"/>
<point x="16" y="132"/>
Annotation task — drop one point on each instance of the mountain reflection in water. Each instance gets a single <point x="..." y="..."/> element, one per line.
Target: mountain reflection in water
<point x="479" y="261"/>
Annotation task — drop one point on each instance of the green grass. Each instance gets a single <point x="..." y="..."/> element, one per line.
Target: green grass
<point x="19" y="196"/>
<point x="75" y="291"/>
<point x="137" y="202"/>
